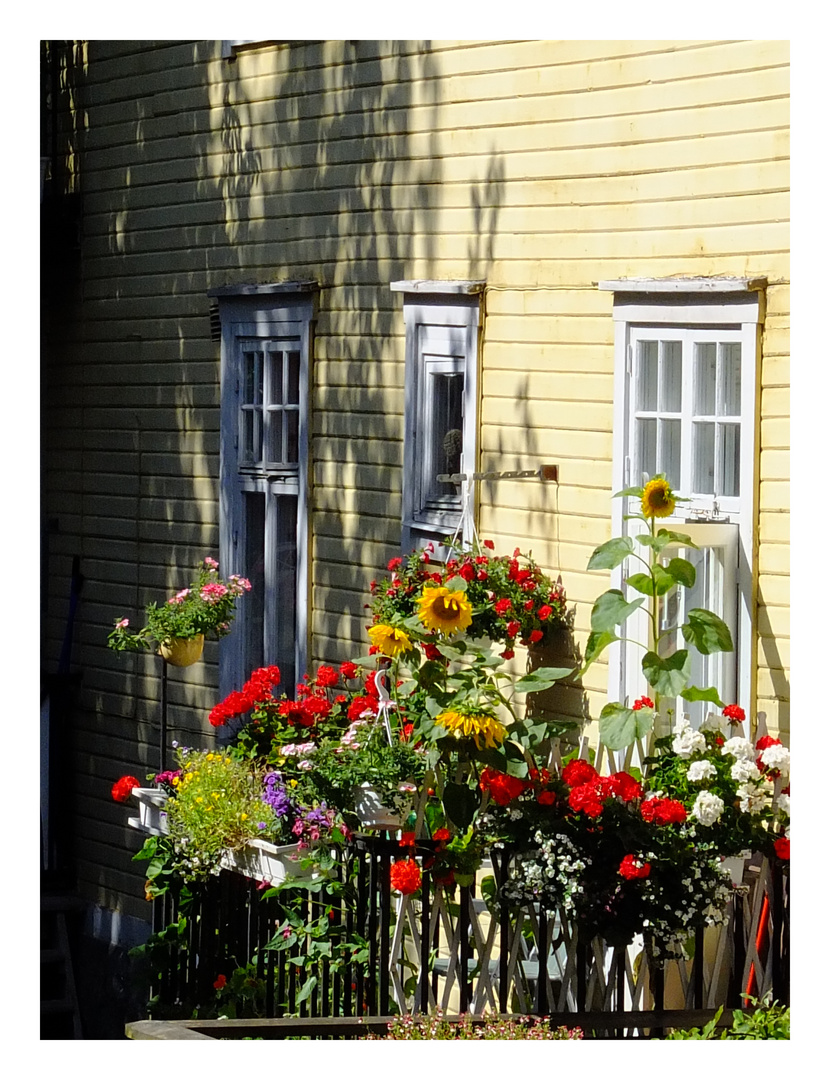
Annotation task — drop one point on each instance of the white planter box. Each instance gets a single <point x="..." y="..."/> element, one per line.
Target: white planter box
<point x="371" y="811"/>
<point x="264" y="861"/>
<point x="152" y="816"/>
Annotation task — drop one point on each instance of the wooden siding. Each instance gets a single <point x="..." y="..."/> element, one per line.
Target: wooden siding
<point x="541" y="167"/>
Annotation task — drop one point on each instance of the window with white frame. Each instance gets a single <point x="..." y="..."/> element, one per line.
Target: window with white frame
<point x="443" y="322"/>
<point x="266" y="349"/>
<point x="685" y="405"/>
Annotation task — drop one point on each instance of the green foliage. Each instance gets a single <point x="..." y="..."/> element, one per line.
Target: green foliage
<point x="768" y="1020"/>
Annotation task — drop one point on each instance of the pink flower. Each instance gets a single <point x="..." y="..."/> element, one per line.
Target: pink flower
<point x="213" y="592"/>
<point x="212" y="563"/>
<point x="179" y="598"/>
<point x="122" y="624"/>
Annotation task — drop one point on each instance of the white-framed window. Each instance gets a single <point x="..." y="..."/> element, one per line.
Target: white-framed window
<point x="265" y="360"/>
<point x="686" y="405"/>
<point x="443" y="322"/>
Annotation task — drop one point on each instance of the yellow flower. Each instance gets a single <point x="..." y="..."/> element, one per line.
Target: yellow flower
<point x="389" y="640"/>
<point x="444" y="611"/>
<point x="215" y="794"/>
<point x="243" y="817"/>
<point x="475" y="726"/>
<point x="658" y="498"/>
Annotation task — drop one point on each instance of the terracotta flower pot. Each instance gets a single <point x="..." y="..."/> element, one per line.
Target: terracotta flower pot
<point x="182" y="652"/>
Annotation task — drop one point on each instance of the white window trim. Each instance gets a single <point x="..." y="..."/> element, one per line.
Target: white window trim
<point x="453" y="305"/>
<point x="273" y="309"/>
<point x="695" y="302"/>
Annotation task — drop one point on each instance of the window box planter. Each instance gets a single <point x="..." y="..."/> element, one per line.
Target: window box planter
<point x="264" y="861"/>
<point x="371" y="810"/>
<point x="152" y="816"/>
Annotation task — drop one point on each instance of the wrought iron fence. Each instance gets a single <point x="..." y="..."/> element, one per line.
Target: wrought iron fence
<point x="378" y="953"/>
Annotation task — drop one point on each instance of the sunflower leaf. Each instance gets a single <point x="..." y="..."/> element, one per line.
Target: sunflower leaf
<point x="620" y="726"/>
<point x="707" y="632"/>
<point x="540" y="679"/>
<point x="668" y="675"/>
<point x="663" y="580"/>
<point x="682" y="571"/>
<point x="695" y="693"/>
<point x="460" y="804"/>
<point x="643" y="583"/>
<point x="611" y="553"/>
<point x="638" y="491"/>
<point x="596" y="644"/>
<point x="611" y="609"/>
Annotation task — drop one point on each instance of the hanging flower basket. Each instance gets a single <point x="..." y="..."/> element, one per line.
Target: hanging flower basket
<point x="152" y="815"/>
<point x="371" y="811"/>
<point x="182" y="652"/>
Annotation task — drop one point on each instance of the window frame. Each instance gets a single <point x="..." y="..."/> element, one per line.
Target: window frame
<point x="444" y="323"/>
<point x="737" y="305"/>
<point x="263" y="314"/>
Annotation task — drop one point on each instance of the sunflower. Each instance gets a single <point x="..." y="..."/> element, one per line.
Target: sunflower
<point x="444" y="611"/>
<point x="658" y="498"/>
<point x="475" y="726"/>
<point x="389" y="640"/>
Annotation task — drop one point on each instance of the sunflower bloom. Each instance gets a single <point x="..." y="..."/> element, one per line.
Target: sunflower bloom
<point x="444" y="611"/>
<point x="477" y="726"/>
<point x="389" y="640"/>
<point x="658" y="498"/>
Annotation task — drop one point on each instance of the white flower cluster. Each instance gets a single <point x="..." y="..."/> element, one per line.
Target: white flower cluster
<point x="701" y="770"/>
<point x="777" y="757"/>
<point x="739" y="748"/>
<point x="715" y="722"/>
<point x="707" y="808"/>
<point x="687" y="741"/>
<point x="552" y="875"/>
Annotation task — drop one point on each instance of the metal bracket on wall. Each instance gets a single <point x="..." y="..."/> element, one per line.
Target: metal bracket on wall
<point x="545" y="473"/>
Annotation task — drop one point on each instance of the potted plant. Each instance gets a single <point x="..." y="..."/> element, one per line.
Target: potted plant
<point x="177" y="628"/>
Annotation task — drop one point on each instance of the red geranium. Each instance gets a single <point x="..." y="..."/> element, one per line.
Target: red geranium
<point x="405" y="876"/>
<point x="631" y="868"/>
<point x="467" y="571"/>
<point x="348" y="670"/>
<point x="545" y="612"/>
<point x="513" y="628"/>
<point x="546" y="798"/>
<point x="587" y="798"/>
<point x="394" y="564"/>
<point x="642" y="703"/>
<point x="578" y="772"/>
<point x="431" y="652"/>
<point x="502" y="606"/>
<point x="508" y="654"/>
<point x="765" y="741"/>
<point x="503" y="788"/>
<point x="782" y="848"/>
<point x="624" y="786"/>
<point x="122" y="789"/>
<point x="220" y="982"/>
<point x="734" y="713"/>
<point x="663" y="811"/>
<point x="535" y="635"/>
<point x="326" y="676"/>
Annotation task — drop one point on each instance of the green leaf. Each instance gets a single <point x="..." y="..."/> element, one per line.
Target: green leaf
<point x="308" y="986"/>
<point x="665" y="537"/>
<point x="683" y="572"/>
<point x="643" y="583"/>
<point x="695" y="693"/>
<point x="707" y="632"/>
<point x="460" y="804"/>
<point x="620" y="726"/>
<point x="638" y="491"/>
<point x="611" y="609"/>
<point x="456" y="584"/>
<point x="663" y="581"/>
<point x="496" y="759"/>
<point x="596" y="644"/>
<point x="611" y="553"/>
<point x="540" y="679"/>
<point x="667" y="675"/>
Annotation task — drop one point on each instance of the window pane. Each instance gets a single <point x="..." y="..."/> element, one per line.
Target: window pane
<point x="285" y="586"/>
<point x="671" y="377"/>
<point x="275" y="418"/>
<point x="703" y="474"/>
<point x="292" y="423"/>
<point x="276" y="378"/>
<point x="445" y="420"/>
<point x="646" y="395"/>
<point x="252" y="381"/>
<point x="646" y="452"/>
<point x="251" y="435"/>
<point x="293" y="393"/>
<point x="253" y="603"/>
<point x="729" y="382"/>
<point x="670" y="451"/>
<point x="706" y="354"/>
<point x="729" y="465"/>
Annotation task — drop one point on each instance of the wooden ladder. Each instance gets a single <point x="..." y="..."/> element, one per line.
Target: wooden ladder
<point x="60" y="1016"/>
